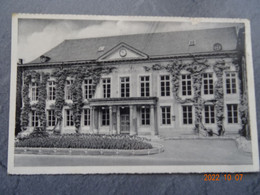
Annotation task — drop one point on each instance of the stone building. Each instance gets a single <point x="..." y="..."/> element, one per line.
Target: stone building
<point x="167" y="84"/>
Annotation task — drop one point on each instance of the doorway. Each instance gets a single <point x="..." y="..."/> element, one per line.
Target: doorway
<point x="124" y="120"/>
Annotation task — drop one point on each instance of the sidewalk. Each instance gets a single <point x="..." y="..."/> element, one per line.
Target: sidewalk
<point x="177" y="152"/>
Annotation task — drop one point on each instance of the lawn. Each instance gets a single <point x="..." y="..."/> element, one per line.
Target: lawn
<point x="86" y="141"/>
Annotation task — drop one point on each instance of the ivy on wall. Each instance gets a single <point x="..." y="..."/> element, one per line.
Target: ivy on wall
<point x="78" y="74"/>
<point x="196" y="68"/>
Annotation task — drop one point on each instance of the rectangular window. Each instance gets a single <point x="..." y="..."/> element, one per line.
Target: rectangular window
<point x="52" y="90"/>
<point x="145" y="86"/>
<point x="187" y="114"/>
<point x="166" y="115"/>
<point x="209" y="114"/>
<point x="87" y="117"/>
<point x="186" y="85"/>
<point x="51" y="118"/>
<point x="165" y="85"/>
<point x="232" y="112"/>
<point x="105" y="116"/>
<point x="35" y="91"/>
<point x="35" y="119"/>
<point x="145" y="116"/>
<point x="125" y="86"/>
<point x="106" y="87"/>
<point x="69" y="118"/>
<point x="231" y="87"/>
<point x="207" y="83"/>
<point x="68" y="89"/>
<point x="88" y="88"/>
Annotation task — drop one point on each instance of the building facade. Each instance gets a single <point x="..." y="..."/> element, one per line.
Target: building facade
<point x="167" y="84"/>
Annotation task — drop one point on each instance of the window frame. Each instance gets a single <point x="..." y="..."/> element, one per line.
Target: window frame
<point x="231" y="83"/>
<point x="105" y="89"/>
<point x="147" y="116"/>
<point x="35" y="119"/>
<point x="140" y="86"/>
<point x="170" y="114"/>
<point x="188" y="118"/>
<point x="105" y="116"/>
<point x="86" y="116"/>
<point x="125" y="82"/>
<point x="186" y="85"/>
<point x="88" y="88"/>
<point x="34" y="91"/>
<point x="165" y="86"/>
<point x="69" y="122"/>
<point x="232" y="114"/>
<point x="210" y="91"/>
<point x="51" y="119"/>
<point x="51" y="90"/>
<point x="209" y="113"/>
<point x="68" y="92"/>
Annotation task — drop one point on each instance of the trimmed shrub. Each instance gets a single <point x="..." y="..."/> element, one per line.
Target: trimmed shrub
<point x="86" y="141"/>
<point x="38" y="132"/>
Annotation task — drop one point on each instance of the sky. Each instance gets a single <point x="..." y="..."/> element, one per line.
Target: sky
<point x="37" y="36"/>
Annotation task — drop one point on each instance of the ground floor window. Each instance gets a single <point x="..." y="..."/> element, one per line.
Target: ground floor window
<point x="69" y="118"/>
<point x="105" y="116"/>
<point x="87" y="117"/>
<point x="187" y="114"/>
<point x="232" y="113"/>
<point x="145" y="116"/>
<point x="166" y="115"/>
<point x="35" y="119"/>
<point x="51" y="118"/>
<point x="209" y="114"/>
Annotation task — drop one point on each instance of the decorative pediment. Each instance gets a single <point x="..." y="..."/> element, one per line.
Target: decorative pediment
<point x="122" y="52"/>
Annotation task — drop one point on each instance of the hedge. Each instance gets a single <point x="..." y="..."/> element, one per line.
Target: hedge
<point x="86" y="141"/>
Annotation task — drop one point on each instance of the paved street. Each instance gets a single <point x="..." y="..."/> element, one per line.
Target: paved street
<point x="177" y="152"/>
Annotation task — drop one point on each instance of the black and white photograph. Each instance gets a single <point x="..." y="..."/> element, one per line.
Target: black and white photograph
<point x="118" y="94"/>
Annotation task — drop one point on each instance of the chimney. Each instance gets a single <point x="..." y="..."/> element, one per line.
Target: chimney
<point x="20" y="61"/>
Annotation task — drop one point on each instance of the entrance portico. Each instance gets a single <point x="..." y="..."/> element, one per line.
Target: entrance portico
<point x="123" y="115"/>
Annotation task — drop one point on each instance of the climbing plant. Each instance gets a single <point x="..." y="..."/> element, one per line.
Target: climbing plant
<point x="196" y="68"/>
<point x="78" y="74"/>
<point x="41" y="104"/>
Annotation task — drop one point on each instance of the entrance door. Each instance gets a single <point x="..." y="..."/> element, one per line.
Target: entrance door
<point x="124" y="120"/>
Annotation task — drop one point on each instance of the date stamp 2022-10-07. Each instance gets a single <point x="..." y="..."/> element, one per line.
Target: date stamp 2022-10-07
<point x="119" y="94"/>
<point x="224" y="177"/>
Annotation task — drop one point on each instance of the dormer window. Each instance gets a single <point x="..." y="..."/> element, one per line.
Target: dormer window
<point x="44" y="58"/>
<point x="192" y="42"/>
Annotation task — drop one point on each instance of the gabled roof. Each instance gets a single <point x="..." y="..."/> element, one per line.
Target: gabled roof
<point x="152" y="44"/>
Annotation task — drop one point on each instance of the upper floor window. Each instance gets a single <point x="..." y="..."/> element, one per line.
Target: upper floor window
<point x="106" y="87"/>
<point x="208" y="83"/>
<point x="88" y="88"/>
<point x="209" y="114"/>
<point x="105" y="116"/>
<point x="186" y="84"/>
<point x="87" y="117"/>
<point x="232" y="112"/>
<point x="69" y="118"/>
<point x="165" y="85"/>
<point x="166" y="115"/>
<point x="145" y="116"/>
<point x="231" y="86"/>
<point x="35" y="91"/>
<point x="52" y="90"/>
<point x="187" y="114"/>
<point x="145" y="86"/>
<point x="35" y="119"/>
<point x="68" y="89"/>
<point x="125" y="86"/>
<point x="51" y="118"/>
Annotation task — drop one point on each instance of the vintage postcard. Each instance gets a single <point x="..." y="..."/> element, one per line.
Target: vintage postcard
<point x="118" y="94"/>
